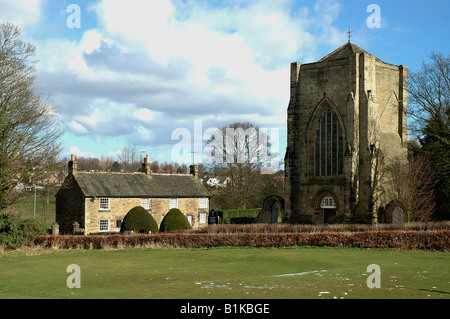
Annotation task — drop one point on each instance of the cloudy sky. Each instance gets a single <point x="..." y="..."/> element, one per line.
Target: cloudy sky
<point x="120" y="72"/>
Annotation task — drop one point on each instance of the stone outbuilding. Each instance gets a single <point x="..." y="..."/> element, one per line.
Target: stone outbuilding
<point x="98" y="201"/>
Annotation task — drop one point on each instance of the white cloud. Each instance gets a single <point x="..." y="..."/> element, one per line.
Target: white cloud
<point x="79" y="153"/>
<point x="147" y="116"/>
<point x="151" y="66"/>
<point x="77" y="128"/>
<point x="21" y="12"/>
<point x="91" y="41"/>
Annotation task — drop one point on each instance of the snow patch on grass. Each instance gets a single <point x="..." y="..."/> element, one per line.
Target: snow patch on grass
<point x="299" y="273"/>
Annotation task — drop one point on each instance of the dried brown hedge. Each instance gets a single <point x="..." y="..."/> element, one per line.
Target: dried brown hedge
<point x="300" y="228"/>
<point x="432" y="240"/>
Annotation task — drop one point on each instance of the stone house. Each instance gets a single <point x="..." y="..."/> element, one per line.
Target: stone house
<point x="98" y="201"/>
<point x="346" y="122"/>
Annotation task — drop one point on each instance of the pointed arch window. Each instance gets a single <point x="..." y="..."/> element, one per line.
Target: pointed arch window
<point x="329" y="149"/>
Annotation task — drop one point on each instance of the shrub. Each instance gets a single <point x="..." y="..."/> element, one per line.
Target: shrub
<point x="16" y="231"/>
<point x="139" y="220"/>
<point x="174" y="220"/>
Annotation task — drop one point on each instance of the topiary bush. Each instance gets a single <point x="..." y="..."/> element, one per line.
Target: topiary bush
<point x="174" y="220"/>
<point x="139" y="220"/>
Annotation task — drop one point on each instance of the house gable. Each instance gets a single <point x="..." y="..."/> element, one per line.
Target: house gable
<point x="69" y="204"/>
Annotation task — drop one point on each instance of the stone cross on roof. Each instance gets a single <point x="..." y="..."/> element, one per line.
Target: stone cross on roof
<point x="349" y="34"/>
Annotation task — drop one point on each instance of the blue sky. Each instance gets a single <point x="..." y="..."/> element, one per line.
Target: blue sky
<point x="135" y="71"/>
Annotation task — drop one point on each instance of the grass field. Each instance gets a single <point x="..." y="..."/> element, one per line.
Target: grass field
<point x="44" y="211"/>
<point x="235" y="273"/>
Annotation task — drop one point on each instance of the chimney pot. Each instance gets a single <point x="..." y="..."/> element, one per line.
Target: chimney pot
<point x="146" y="166"/>
<point x="72" y="165"/>
<point x="194" y="170"/>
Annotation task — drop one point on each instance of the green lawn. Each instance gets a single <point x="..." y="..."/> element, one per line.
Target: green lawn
<point x="225" y="273"/>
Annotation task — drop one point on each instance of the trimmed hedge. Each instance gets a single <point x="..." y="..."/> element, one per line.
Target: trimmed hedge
<point x="404" y="240"/>
<point x="238" y="213"/>
<point x="174" y="220"/>
<point x="239" y="216"/>
<point x="139" y="220"/>
<point x="298" y="228"/>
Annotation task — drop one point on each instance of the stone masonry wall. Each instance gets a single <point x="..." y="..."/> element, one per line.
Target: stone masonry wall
<point x="369" y="96"/>
<point x="69" y="205"/>
<point x="119" y="207"/>
<point x="318" y="85"/>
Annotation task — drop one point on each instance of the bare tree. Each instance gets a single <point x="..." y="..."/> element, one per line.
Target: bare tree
<point x="166" y="168"/>
<point x="240" y="152"/>
<point x="429" y="96"/>
<point x="106" y="162"/>
<point x="130" y="158"/>
<point x="412" y="188"/>
<point x="89" y="164"/>
<point x="28" y="132"/>
<point x="154" y="166"/>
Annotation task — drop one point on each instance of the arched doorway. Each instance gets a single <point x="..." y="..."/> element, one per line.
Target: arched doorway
<point x="328" y="207"/>
<point x="394" y="213"/>
<point x="272" y="211"/>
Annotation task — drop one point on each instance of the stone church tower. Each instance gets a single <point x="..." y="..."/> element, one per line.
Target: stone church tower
<point x="346" y="121"/>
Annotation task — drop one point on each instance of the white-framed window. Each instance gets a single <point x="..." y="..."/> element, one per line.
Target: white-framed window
<point x="203" y="202"/>
<point x="145" y="202"/>
<point x="103" y="204"/>
<point x="327" y="202"/>
<point x="173" y="203"/>
<point x="202" y="219"/>
<point x="189" y="218"/>
<point x="103" y="225"/>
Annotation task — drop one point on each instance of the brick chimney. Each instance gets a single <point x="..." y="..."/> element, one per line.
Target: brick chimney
<point x="146" y="166"/>
<point x="72" y="165"/>
<point x="193" y="169"/>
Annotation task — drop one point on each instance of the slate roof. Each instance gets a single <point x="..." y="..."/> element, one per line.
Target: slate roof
<point x="140" y="185"/>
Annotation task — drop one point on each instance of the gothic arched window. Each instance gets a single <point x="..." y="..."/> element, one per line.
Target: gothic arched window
<point x="329" y="150"/>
